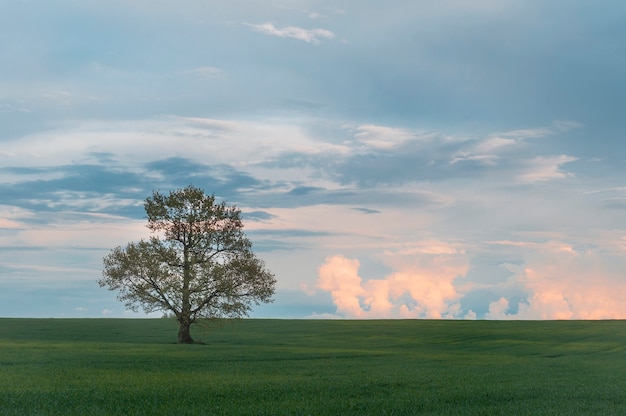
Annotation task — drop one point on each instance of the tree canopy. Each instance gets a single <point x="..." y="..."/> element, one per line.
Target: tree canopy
<point x="198" y="263"/>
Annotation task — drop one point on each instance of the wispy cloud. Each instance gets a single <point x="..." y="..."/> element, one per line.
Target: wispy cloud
<point x="383" y="137"/>
<point x="207" y="72"/>
<point x="314" y="36"/>
<point x="545" y="168"/>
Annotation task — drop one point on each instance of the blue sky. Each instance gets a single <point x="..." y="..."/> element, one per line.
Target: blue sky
<point x="417" y="159"/>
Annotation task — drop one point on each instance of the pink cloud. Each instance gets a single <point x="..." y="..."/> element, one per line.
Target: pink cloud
<point x="560" y="280"/>
<point x="568" y="284"/>
<point x="421" y="287"/>
<point x="339" y="276"/>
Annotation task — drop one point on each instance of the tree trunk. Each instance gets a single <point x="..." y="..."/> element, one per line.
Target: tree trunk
<point x="184" y="335"/>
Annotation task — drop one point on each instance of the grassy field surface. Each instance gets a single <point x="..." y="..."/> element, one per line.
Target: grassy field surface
<point x="293" y="367"/>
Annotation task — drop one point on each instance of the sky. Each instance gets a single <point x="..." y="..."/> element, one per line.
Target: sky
<point x="408" y="159"/>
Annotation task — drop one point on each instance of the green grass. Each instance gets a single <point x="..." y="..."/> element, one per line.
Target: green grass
<point x="291" y="367"/>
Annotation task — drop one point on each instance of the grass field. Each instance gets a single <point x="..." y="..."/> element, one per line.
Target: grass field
<point x="292" y="367"/>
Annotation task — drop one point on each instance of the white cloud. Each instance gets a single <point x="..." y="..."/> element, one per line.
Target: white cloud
<point x="489" y="150"/>
<point x="383" y="137"/>
<point x="314" y="36"/>
<point x="545" y="168"/>
<point x="524" y="134"/>
<point x="210" y="141"/>
<point x="494" y="144"/>
<point x="488" y="160"/>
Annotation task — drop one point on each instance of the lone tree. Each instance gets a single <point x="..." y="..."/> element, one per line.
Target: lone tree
<point x="198" y="263"/>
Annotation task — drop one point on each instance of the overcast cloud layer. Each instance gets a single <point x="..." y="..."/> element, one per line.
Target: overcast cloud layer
<point x="412" y="159"/>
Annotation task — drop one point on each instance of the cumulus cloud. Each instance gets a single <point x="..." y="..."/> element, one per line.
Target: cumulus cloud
<point x="421" y="285"/>
<point x="498" y="309"/>
<point x="314" y="36"/>
<point x="339" y="276"/>
<point x="432" y="279"/>
<point x="563" y="282"/>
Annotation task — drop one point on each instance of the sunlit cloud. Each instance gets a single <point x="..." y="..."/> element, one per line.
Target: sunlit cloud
<point x="314" y="36"/>
<point x="564" y="283"/>
<point x="6" y="224"/>
<point x="339" y="276"/>
<point x="421" y="285"/>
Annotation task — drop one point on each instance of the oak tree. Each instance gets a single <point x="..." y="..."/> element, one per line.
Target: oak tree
<point x="198" y="264"/>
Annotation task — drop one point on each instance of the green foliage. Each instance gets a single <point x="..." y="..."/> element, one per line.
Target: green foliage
<point x="284" y="367"/>
<point x="198" y="264"/>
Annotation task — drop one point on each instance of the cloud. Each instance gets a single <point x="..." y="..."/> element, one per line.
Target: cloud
<point x="382" y="137"/>
<point x="207" y="72"/>
<point x="545" y="168"/>
<point x="523" y="134"/>
<point x="470" y="315"/>
<point x="498" y="309"/>
<point x="393" y="156"/>
<point x="499" y="148"/>
<point x="9" y="224"/>
<point x="314" y="36"/>
<point x="561" y="281"/>
<point x="68" y="233"/>
<point x="339" y="276"/>
<point x="489" y="160"/>
<point x="421" y="285"/>
<point x="315" y="15"/>
<point x="433" y="279"/>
